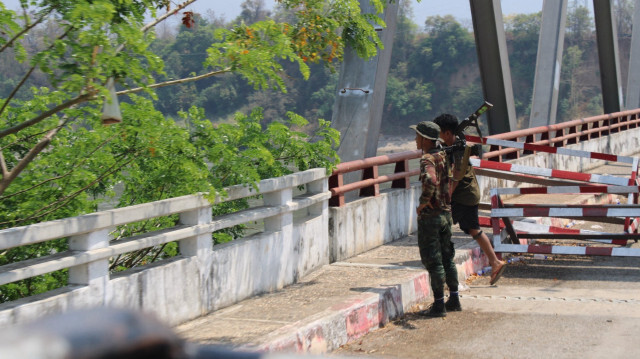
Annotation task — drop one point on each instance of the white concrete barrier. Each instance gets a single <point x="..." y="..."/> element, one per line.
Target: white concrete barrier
<point x="372" y="221"/>
<point x="202" y="278"/>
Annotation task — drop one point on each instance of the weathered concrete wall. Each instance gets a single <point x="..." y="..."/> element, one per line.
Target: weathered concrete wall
<point x="182" y="288"/>
<point x="625" y="143"/>
<point x="372" y="221"/>
<point x="260" y="264"/>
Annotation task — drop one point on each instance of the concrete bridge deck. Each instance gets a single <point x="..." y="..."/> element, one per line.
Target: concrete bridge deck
<point x="328" y="306"/>
<point x="333" y="305"/>
<point x="345" y="300"/>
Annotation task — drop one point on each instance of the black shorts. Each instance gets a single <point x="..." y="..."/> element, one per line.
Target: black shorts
<point x="466" y="216"/>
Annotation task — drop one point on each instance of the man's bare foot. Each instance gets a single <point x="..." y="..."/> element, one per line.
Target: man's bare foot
<point x="496" y="272"/>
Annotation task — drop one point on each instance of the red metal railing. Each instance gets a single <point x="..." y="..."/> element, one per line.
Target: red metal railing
<point x="558" y="135"/>
<point x="566" y="133"/>
<point x="370" y="183"/>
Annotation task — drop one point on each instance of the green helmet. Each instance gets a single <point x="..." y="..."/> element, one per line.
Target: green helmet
<point x="427" y="129"/>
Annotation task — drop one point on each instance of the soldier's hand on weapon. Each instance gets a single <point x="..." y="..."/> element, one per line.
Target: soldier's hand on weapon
<point x="422" y="206"/>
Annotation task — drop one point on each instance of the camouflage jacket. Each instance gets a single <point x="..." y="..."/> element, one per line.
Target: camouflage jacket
<point x="435" y="175"/>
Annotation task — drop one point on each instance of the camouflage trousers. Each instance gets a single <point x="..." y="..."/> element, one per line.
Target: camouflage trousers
<point x="437" y="252"/>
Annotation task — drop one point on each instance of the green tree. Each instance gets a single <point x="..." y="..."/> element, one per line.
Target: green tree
<point x="624" y="17"/>
<point x="105" y="38"/>
<point x="465" y="101"/>
<point x="579" y="80"/>
<point x="317" y="101"/>
<point x="77" y="58"/>
<point x="406" y="100"/>
<point x="448" y="49"/>
<point x="150" y="157"/>
<point x="57" y="160"/>
<point x="253" y="11"/>
<point x="522" y="33"/>
<point x="580" y="24"/>
<point x="406" y="31"/>
<point x="571" y="91"/>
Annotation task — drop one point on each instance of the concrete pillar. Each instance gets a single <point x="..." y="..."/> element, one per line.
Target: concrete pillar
<point x="493" y="60"/>
<point x="548" y="63"/>
<point x="283" y="221"/>
<point x="200" y="248"/>
<point x="382" y="71"/>
<point x="94" y="274"/>
<point x="357" y="112"/>
<point x="319" y="186"/>
<point x="607" y="37"/>
<point x="633" y="77"/>
<point x="282" y="239"/>
<point x="200" y="245"/>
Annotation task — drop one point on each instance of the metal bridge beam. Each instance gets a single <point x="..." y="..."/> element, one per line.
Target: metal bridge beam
<point x="633" y="77"/>
<point x="607" y="38"/>
<point x="357" y="112"/>
<point x="548" y="63"/>
<point x="493" y="60"/>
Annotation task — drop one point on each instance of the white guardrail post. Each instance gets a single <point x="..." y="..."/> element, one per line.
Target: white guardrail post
<point x="319" y="186"/>
<point x="201" y="244"/>
<point x="94" y="274"/>
<point x="281" y="221"/>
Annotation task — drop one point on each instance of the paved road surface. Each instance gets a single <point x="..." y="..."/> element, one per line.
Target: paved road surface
<point x="568" y="307"/>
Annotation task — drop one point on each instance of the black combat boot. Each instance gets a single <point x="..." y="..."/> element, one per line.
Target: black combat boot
<point x="453" y="303"/>
<point x="437" y="309"/>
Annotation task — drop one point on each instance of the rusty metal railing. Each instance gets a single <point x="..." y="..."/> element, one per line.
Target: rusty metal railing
<point x="566" y="133"/>
<point x="370" y="183"/>
<point x="558" y="135"/>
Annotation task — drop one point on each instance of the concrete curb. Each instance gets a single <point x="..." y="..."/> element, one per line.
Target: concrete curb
<point x="350" y="320"/>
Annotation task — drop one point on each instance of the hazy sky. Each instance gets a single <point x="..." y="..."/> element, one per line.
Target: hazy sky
<point x="423" y="9"/>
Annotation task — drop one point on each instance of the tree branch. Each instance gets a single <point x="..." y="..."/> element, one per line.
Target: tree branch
<point x="63" y="201"/>
<point x="158" y="253"/>
<point x="25" y="30"/>
<point x="25" y="138"/>
<point x="15" y="90"/>
<point x="165" y="16"/>
<point x="3" y="165"/>
<point x="45" y="115"/>
<point x="39" y="147"/>
<point x="137" y="257"/>
<point x="73" y="168"/>
<point x="159" y="20"/>
<point x="24" y="7"/>
<point x="115" y="262"/>
<point x="175" y="82"/>
<point x="26" y="76"/>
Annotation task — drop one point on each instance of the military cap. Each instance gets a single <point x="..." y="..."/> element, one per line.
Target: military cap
<point x="427" y="129"/>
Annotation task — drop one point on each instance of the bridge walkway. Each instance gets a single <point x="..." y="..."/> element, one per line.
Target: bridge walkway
<point x="342" y="301"/>
<point x="333" y="305"/>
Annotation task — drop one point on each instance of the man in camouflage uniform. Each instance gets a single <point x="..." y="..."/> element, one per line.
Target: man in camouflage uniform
<point x="434" y="217"/>
<point x="465" y="198"/>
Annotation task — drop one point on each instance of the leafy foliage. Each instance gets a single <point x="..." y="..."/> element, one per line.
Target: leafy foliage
<point x="55" y="61"/>
<point x="149" y="157"/>
<point x="523" y="32"/>
<point x="248" y="51"/>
